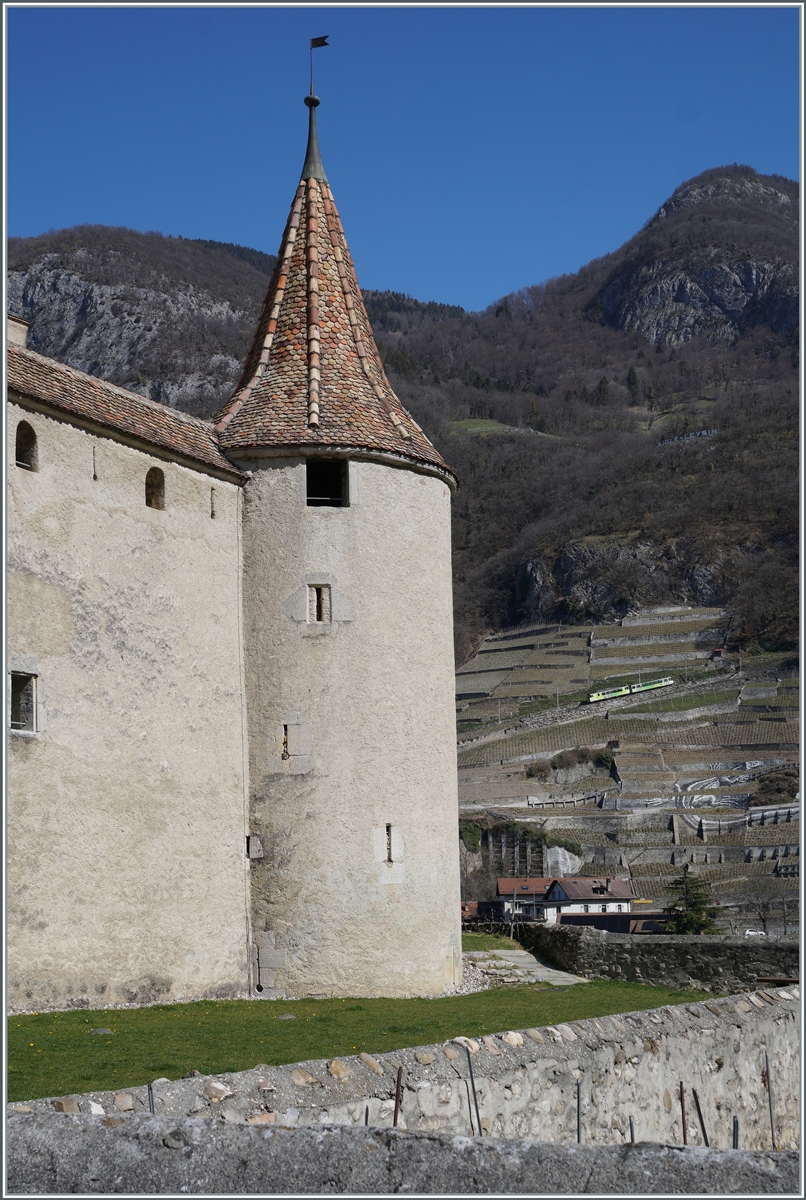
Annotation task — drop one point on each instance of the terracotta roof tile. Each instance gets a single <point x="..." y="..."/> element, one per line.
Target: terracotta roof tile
<point x="313" y="375"/>
<point x="583" y="887"/>
<point x="523" y="885"/>
<point x="83" y="395"/>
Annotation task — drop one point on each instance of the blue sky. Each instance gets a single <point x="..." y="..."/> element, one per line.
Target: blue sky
<point x="471" y="151"/>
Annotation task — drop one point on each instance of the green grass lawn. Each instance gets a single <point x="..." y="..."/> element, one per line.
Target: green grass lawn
<point x="52" y="1054"/>
<point x="488" y="941"/>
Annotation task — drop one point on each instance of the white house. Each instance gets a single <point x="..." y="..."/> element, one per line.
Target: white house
<point x="583" y="894"/>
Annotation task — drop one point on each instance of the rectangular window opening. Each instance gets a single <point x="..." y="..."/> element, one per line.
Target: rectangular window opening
<point x="327" y="483"/>
<point x="212" y="502"/>
<point x="23" y="702"/>
<point x="319" y="608"/>
<point x="285" y="753"/>
<point x="388" y="843"/>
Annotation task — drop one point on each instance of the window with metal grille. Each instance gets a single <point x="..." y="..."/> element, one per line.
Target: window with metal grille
<point x="23" y="702"/>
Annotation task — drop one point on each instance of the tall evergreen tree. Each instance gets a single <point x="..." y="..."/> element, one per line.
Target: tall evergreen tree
<point x="691" y="909"/>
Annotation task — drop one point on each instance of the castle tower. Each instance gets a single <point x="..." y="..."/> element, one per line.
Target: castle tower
<point x="347" y="641"/>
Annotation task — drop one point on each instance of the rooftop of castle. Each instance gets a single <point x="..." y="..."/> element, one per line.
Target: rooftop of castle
<point x="313" y="376"/>
<point x="101" y="403"/>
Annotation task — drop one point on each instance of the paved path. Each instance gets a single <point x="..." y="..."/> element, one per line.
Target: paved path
<point x="518" y="966"/>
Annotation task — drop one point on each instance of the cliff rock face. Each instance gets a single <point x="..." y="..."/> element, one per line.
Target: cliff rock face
<point x="679" y="284"/>
<point x="599" y="579"/>
<point x="163" y="317"/>
<point x="671" y="300"/>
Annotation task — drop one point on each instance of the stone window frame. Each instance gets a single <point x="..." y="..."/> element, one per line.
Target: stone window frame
<point x="320" y="608"/>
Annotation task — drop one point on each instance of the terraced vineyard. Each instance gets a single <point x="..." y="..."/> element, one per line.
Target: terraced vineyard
<point x="704" y="772"/>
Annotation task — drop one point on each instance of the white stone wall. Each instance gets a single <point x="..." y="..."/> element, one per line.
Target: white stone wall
<point x="127" y="875"/>
<point x="365" y="708"/>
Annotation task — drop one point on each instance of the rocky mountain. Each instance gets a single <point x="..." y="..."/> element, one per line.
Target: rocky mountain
<point x="561" y="405"/>
<point x="166" y="317"/>
<point x="705" y="286"/>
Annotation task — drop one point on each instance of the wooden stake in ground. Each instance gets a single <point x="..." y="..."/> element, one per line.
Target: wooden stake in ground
<point x="397" y="1094"/>
<point x="683" y="1111"/>
<point x="769" y="1099"/>
<point x="699" y="1116"/>
<point x="473" y="1085"/>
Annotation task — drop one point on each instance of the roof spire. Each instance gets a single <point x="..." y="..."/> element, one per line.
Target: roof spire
<point x="313" y="168"/>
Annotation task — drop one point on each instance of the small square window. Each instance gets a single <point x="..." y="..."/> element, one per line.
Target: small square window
<point x="23" y="702"/>
<point x="327" y="483"/>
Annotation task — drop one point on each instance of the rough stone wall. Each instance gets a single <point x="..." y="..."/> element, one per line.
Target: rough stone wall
<point x="126" y="867"/>
<point x="627" y="1065"/>
<point x="709" y="963"/>
<point x="368" y="709"/>
<point x="67" y="1155"/>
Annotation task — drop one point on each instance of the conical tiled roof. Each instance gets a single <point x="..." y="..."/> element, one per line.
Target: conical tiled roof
<point x="313" y="375"/>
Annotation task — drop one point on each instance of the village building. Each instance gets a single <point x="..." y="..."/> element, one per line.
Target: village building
<point x="550" y="900"/>
<point x="231" y="762"/>
<point x="523" y="897"/>
<point x="581" y="894"/>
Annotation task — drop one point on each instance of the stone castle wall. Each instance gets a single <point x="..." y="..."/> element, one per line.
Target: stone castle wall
<point x="709" y="963"/>
<point x="356" y="889"/>
<point x="126" y="866"/>
<point x="63" y="1155"/>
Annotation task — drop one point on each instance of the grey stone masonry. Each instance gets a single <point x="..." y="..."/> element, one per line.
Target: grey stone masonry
<point x="709" y="964"/>
<point x="629" y="1065"/>
<point x="166" y="1156"/>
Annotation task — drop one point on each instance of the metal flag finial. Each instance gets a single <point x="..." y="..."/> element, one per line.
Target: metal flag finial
<point x="315" y="44"/>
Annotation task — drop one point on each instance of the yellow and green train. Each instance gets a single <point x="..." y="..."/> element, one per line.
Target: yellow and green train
<point x="630" y="689"/>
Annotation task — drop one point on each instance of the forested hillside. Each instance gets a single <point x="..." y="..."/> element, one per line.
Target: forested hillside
<point x="550" y="404"/>
<point x="569" y="508"/>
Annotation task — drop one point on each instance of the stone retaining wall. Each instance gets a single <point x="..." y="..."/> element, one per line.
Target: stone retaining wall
<point x="710" y="964"/>
<point x="156" y="1155"/>
<point x="525" y="1081"/>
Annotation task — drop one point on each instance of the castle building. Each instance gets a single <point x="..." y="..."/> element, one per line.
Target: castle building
<point x="231" y="762"/>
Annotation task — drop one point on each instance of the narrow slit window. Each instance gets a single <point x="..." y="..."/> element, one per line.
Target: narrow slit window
<point x="155" y="488"/>
<point x="26" y="450"/>
<point x="319" y="608"/>
<point x="212" y="503"/>
<point x="285" y="753"/>
<point x="23" y="702"/>
<point x="327" y="483"/>
<point x="388" y="843"/>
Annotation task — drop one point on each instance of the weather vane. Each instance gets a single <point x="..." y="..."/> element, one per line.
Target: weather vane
<point x="315" y="44"/>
